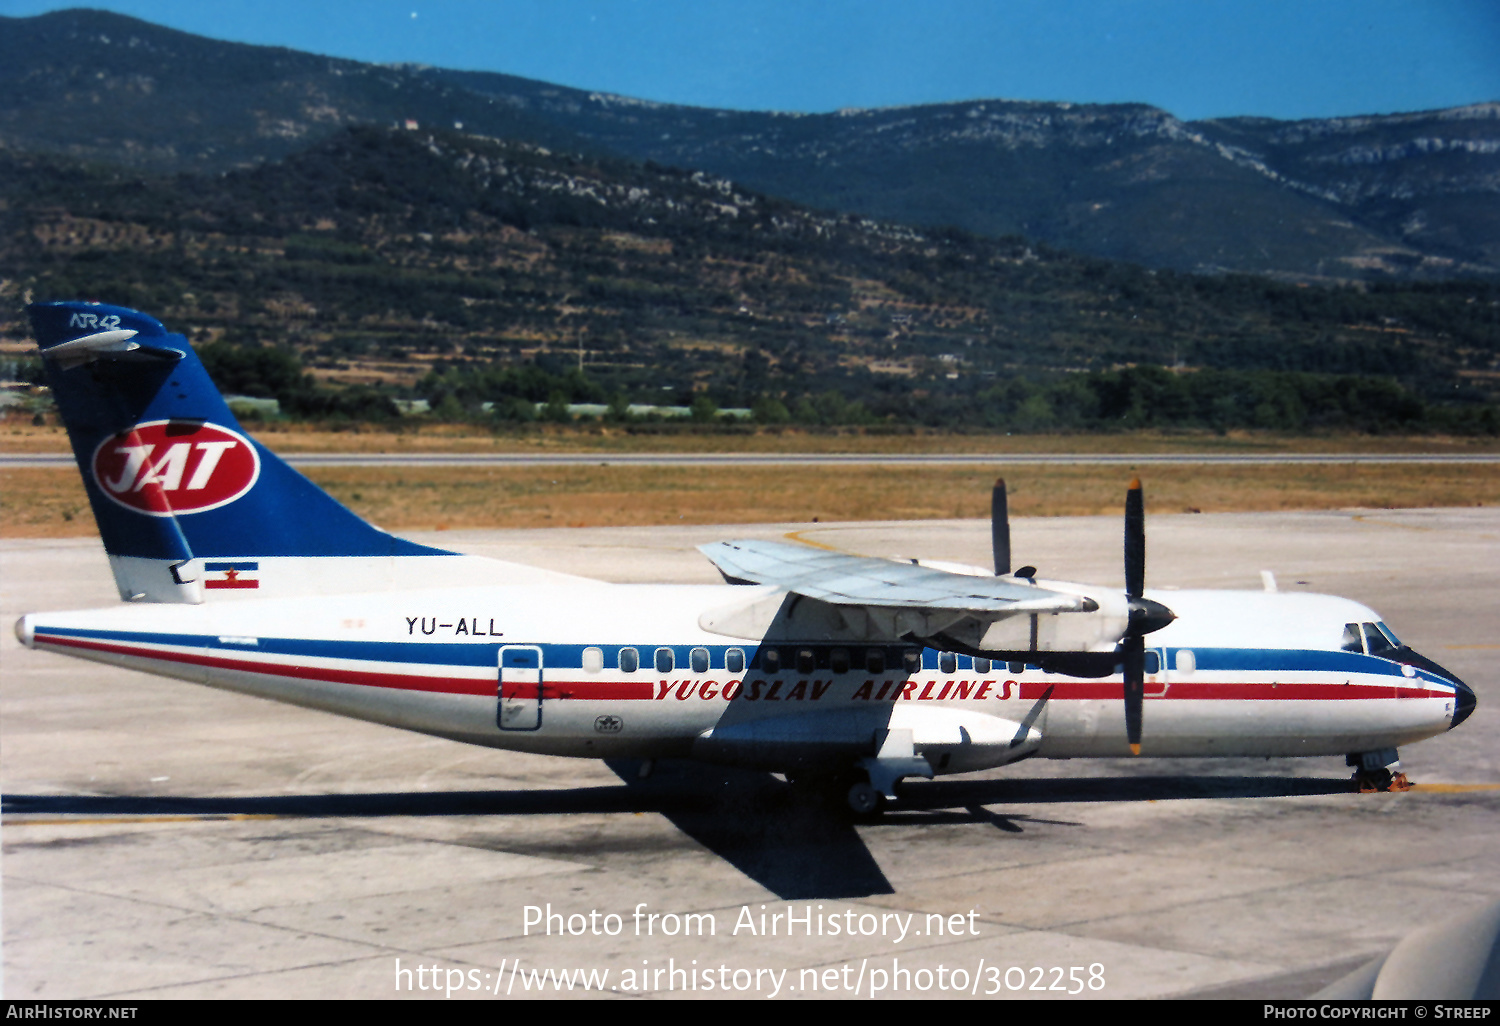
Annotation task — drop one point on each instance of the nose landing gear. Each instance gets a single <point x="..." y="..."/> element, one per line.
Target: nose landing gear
<point x="1373" y="782"/>
<point x="1377" y="771"/>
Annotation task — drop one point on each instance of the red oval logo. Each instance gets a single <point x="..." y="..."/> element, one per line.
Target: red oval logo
<point x="171" y="467"/>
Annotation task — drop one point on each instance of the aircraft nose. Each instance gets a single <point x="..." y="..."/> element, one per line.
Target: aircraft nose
<point x="1463" y="695"/>
<point x="1464" y="702"/>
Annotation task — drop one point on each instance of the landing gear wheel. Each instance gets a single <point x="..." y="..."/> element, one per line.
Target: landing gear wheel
<point x="1374" y="781"/>
<point x="865" y="800"/>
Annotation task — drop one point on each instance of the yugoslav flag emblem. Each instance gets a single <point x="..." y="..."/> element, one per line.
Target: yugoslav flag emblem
<point x="172" y="467"/>
<point x="231" y="575"/>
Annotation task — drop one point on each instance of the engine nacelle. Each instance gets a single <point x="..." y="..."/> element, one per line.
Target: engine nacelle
<point x="951" y="740"/>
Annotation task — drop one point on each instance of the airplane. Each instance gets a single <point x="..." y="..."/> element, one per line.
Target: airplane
<point x="845" y="673"/>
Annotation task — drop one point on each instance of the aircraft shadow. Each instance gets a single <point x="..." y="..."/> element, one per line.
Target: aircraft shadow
<point x="794" y="848"/>
<point x="393" y="803"/>
<point x="947" y="794"/>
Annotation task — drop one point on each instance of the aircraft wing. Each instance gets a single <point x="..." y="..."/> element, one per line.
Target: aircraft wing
<point x="842" y="579"/>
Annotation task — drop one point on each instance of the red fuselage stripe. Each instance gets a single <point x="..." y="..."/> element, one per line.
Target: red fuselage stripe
<point x="366" y="678"/>
<point x="645" y="690"/>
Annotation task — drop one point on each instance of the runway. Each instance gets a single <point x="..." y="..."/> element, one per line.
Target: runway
<point x="580" y="459"/>
<point x="167" y="840"/>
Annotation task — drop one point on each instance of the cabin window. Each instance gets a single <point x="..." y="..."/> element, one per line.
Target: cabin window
<point x="1015" y="667"/>
<point x="698" y="657"/>
<point x="1187" y="662"/>
<point x="874" y="660"/>
<point x="981" y="664"/>
<point x="770" y="661"/>
<point x="1351" y="641"/>
<point x="593" y="660"/>
<point x="947" y="662"/>
<point x="911" y="661"/>
<point x="807" y="660"/>
<point x="630" y="660"/>
<point x="1152" y="661"/>
<point x="665" y="660"/>
<point x="734" y="660"/>
<point x="1375" y="642"/>
<point x="838" y="660"/>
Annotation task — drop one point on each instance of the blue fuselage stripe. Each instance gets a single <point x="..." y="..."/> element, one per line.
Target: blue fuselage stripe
<point x="482" y="652"/>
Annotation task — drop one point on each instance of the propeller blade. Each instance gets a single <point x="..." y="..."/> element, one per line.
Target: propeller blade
<point x="1135" y="690"/>
<point x="1000" y="528"/>
<point x="1143" y="617"/>
<point x="1135" y="541"/>
<point x="1031" y="716"/>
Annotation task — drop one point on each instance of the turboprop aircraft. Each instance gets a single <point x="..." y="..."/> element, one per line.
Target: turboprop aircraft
<point x="841" y="671"/>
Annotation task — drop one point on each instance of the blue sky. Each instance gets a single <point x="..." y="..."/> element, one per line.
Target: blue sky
<point x="1196" y="58"/>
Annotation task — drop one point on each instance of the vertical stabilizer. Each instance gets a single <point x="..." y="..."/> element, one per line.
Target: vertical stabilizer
<point x="188" y="505"/>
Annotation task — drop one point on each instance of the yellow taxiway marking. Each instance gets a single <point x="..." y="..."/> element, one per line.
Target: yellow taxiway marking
<point x="132" y="820"/>
<point x="1369" y="518"/>
<point x="1454" y="788"/>
<point x="796" y="536"/>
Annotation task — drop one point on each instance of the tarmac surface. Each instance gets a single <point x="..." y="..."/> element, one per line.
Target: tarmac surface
<point x="167" y="840"/>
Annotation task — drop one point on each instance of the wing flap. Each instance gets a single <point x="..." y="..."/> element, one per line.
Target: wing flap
<point x="842" y="579"/>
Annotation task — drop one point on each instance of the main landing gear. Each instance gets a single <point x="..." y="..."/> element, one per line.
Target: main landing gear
<point x="867" y="787"/>
<point x="865" y="800"/>
<point x="848" y="794"/>
<point x="1377" y="771"/>
<point x="875" y="779"/>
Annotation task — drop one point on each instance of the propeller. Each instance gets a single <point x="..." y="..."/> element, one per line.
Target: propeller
<point x="1135" y="586"/>
<point x="1145" y="615"/>
<point x="1000" y="528"/>
<point x="1000" y="533"/>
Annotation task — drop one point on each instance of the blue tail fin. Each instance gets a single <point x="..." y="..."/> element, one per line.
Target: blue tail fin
<point x="176" y="485"/>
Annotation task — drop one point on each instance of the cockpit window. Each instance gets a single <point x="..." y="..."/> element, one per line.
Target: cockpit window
<point x="1376" y="641"/>
<point x="1351" y="638"/>
<point x="1383" y="629"/>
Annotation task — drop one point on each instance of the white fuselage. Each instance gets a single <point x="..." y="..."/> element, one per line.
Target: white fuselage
<point x="540" y="668"/>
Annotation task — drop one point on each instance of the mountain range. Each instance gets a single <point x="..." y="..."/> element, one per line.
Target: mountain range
<point x="1399" y="196"/>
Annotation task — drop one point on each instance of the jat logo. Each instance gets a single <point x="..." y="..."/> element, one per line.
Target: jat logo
<point x="168" y="467"/>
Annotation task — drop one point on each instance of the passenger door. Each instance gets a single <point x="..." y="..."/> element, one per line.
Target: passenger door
<point x="520" y="688"/>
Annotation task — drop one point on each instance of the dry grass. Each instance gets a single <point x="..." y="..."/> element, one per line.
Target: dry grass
<point x="50" y="502"/>
<point x="18" y="435"/>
